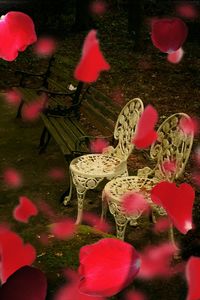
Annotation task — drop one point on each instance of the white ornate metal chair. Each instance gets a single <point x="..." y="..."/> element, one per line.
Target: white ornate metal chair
<point x="172" y="144"/>
<point x="87" y="171"/>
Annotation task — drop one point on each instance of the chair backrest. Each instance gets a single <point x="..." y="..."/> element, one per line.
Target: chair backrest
<point x="173" y="144"/>
<point x="125" y="127"/>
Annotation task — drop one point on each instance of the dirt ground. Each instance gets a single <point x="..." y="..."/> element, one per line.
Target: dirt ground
<point x="145" y="74"/>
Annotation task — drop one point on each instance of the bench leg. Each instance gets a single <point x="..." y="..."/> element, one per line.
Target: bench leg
<point x="19" y="111"/>
<point x="44" y="140"/>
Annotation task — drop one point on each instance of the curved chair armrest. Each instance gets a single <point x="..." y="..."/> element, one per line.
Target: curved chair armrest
<point x="144" y="172"/>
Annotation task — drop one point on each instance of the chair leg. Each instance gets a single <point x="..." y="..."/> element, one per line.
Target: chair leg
<point x="121" y="223"/>
<point x="67" y="198"/>
<point x="104" y="207"/>
<point x="80" y="196"/>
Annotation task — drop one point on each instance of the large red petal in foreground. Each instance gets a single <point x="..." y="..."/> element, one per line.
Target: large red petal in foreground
<point x="107" y="267"/>
<point x="168" y="35"/>
<point x="13" y="253"/>
<point x="27" y="283"/>
<point x="92" y="61"/>
<point x="177" y="201"/>
<point x="145" y="133"/>
<point x="193" y="275"/>
<point x="17" y="31"/>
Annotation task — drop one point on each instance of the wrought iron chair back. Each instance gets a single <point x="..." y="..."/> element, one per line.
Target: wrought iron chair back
<point x="173" y="145"/>
<point x="125" y="127"/>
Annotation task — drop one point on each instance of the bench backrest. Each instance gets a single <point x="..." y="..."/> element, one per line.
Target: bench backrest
<point x="172" y="145"/>
<point x="125" y="127"/>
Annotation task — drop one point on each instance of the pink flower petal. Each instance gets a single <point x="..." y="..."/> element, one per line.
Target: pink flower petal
<point x="24" y="210"/>
<point x="14" y="253"/>
<point x="57" y="174"/>
<point x="177" y="201"/>
<point x="107" y="267"/>
<point x="135" y="295"/>
<point x="162" y="224"/>
<point x="31" y="111"/>
<point x="16" y="33"/>
<point x="176" y="56"/>
<point x="13" y="96"/>
<point x="169" y="166"/>
<point x="145" y="133"/>
<point x="98" y="7"/>
<point x="94" y="221"/>
<point x="12" y="178"/>
<point x="134" y="203"/>
<point x="192" y="276"/>
<point x="168" y="34"/>
<point x="156" y="261"/>
<point x="92" y="61"/>
<point x="27" y="283"/>
<point x="189" y="126"/>
<point x="98" y="145"/>
<point x="63" y="229"/>
<point x="45" y="46"/>
<point x="187" y="10"/>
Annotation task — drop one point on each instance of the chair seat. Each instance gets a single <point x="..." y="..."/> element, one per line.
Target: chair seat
<point x="116" y="188"/>
<point x="97" y="165"/>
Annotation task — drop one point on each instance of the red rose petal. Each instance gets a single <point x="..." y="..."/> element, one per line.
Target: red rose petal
<point x="177" y="201"/>
<point x="104" y="261"/>
<point x="16" y="33"/>
<point x="98" y="7"/>
<point x="27" y="283"/>
<point x="94" y="221"/>
<point x="189" y="126"/>
<point x="193" y="275"/>
<point x="63" y="229"/>
<point x="145" y="133"/>
<point x="45" y="46"/>
<point x="168" y="35"/>
<point x="169" y="166"/>
<point x="31" y="111"/>
<point x="14" y="253"/>
<point x="162" y="224"/>
<point x="156" y="260"/>
<point x="24" y="210"/>
<point x="134" y="203"/>
<point x="187" y="10"/>
<point x="12" y="178"/>
<point x="13" y="96"/>
<point x="98" y="145"/>
<point x="57" y="174"/>
<point x="135" y="295"/>
<point x="176" y="56"/>
<point x="92" y="61"/>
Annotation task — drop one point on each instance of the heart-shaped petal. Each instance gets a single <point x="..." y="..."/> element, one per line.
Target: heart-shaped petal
<point x="177" y="201"/>
<point x="192" y="276"/>
<point x="24" y="210"/>
<point x="168" y="35"/>
<point x="14" y="253"/>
